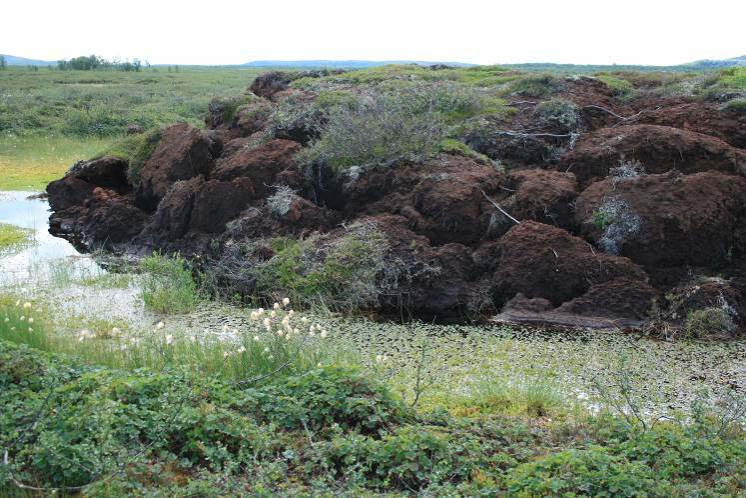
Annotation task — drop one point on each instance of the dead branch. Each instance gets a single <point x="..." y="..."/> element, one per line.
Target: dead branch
<point x="518" y="134"/>
<point x="608" y="111"/>
<point x="497" y="206"/>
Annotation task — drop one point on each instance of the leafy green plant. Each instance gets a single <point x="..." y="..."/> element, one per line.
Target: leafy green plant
<point x="167" y="285"/>
<point x="734" y="77"/>
<point x="591" y="472"/>
<point x="602" y="219"/>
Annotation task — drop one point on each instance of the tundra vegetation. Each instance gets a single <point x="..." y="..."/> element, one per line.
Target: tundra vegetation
<point x="322" y="202"/>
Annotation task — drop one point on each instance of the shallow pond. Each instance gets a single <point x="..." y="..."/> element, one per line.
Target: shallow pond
<point x="22" y="210"/>
<point x="664" y="375"/>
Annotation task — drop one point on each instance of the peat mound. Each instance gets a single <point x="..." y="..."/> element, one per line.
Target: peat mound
<point x="585" y="210"/>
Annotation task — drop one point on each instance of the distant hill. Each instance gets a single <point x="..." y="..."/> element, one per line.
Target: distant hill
<point x="703" y="65"/>
<point x="350" y="64"/>
<point x="716" y="64"/>
<point x="13" y="60"/>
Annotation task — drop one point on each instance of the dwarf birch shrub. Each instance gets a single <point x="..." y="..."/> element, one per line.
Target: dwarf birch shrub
<point x="380" y="129"/>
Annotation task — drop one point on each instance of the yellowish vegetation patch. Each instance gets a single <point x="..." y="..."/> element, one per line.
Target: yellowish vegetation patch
<point x="31" y="162"/>
<point x="12" y="236"/>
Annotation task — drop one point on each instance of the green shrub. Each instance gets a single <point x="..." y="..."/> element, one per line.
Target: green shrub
<point x="412" y="458"/>
<point x="734" y="78"/>
<point x="535" y="86"/>
<point x="344" y="397"/>
<point x="167" y="285"/>
<point x="229" y="106"/>
<point x="713" y="321"/>
<point x="340" y="273"/>
<point x="674" y="453"/>
<point x="325" y="431"/>
<point x="381" y="129"/>
<point x="591" y="472"/>
<point x="98" y="121"/>
<point x="559" y="112"/>
<point x="736" y="106"/>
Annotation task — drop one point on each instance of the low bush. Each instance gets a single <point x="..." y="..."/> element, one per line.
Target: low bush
<point x="167" y="285"/>
<point x="736" y="106"/>
<point x="713" y="321"/>
<point x="382" y="128"/>
<point x="339" y="273"/>
<point x="558" y="112"/>
<point x="535" y="85"/>
<point x="591" y="472"/>
<point x="327" y="431"/>
<point x="734" y="78"/>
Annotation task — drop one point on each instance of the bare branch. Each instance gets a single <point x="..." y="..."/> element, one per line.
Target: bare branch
<point x="497" y="206"/>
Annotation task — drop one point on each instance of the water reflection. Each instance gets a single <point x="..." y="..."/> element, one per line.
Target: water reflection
<point x="47" y="254"/>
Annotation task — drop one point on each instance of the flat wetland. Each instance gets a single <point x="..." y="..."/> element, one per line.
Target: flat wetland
<point x="452" y="360"/>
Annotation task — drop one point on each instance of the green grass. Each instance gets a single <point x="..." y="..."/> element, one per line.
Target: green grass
<point x="167" y="285"/>
<point x="104" y="103"/>
<point x="278" y="342"/>
<point x="11" y="237"/>
<point x="49" y="119"/>
<point x="108" y="280"/>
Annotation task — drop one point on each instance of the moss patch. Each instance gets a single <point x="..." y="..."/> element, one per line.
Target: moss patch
<point x="136" y="150"/>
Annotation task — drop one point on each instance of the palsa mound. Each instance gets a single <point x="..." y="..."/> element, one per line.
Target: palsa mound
<point x="443" y="194"/>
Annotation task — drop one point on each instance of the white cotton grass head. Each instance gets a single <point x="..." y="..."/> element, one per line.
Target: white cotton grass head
<point x="285" y="301"/>
<point x="159" y="325"/>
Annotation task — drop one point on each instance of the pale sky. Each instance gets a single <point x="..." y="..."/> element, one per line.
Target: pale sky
<point x="484" y="32"/>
